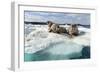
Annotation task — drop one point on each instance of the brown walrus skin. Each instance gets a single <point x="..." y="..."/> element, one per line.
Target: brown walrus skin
<point x="52" y="27"/>
<point x="73" y="30"/>
<point x="62" y="30"/>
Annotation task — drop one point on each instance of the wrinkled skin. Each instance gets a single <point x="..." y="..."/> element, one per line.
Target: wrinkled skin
<point x="52" y="27"/>
<point x="73" y="30"/>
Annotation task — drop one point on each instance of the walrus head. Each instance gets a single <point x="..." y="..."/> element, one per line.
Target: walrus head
<point x="49" y="23"/>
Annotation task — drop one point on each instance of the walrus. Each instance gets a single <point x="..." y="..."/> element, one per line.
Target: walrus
<point x="62" y="30"/>
<point x="52" y="27"/>
<point x="73" y="30"/>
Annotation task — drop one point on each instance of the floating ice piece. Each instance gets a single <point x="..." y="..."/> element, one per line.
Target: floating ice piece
<point x="41" y="39"/>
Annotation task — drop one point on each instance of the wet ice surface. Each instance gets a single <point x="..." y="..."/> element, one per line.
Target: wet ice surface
<point x="42" y="45"/>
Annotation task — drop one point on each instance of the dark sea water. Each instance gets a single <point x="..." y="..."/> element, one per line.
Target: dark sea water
<point x="42" y="56"/>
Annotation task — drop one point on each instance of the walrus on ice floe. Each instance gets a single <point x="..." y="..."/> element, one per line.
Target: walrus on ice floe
<point x="73" y="30"/>
<point x="52" y="27"/>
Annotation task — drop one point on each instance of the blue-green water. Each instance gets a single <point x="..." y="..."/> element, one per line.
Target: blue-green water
<point x="44" y="55"/>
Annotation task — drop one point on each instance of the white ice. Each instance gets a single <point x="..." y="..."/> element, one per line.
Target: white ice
<point x="40" y="39"/>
